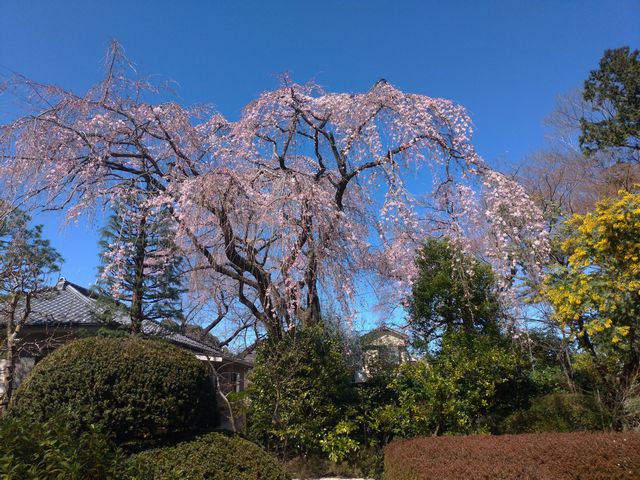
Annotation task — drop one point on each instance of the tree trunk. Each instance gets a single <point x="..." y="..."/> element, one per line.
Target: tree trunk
<point x="13" y="329"/>
<point x="9" y="372"/>
<point x="137" y="301"/>
<point x="312" y="314"/>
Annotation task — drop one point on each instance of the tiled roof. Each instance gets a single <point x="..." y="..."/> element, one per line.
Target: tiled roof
<point x="65" y="304"/>
<point x="382" y="330"/>
<point x="71" y="304"/>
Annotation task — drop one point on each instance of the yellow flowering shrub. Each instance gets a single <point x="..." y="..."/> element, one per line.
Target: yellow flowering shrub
<point x="597" y="291"/>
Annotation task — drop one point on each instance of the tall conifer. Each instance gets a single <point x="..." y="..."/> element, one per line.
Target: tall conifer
<point x="145" y="275"/>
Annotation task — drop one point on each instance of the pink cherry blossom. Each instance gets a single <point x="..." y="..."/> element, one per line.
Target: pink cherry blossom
<point x="286" y="207"/>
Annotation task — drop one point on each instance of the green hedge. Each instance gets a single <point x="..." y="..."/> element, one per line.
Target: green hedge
<point x="129" y="387"/>
<point x="213" y="456"/>
<point x="541" y="456"/>
<point x="49" y="450"/>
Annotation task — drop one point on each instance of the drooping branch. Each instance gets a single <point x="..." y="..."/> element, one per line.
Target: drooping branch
<point x="304" y="193"/>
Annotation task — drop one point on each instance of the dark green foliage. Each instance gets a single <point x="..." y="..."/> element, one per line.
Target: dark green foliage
<point x="300" y="389"/>
<point x="558" y="412"/>
<point x="452" y="392"/>
<point x="465" y="386"/>
<point x="106" y="332"/>
<point x="557" y="456"/>
<point x="598" y="377"/>
<point x="475" y="375"/>
<point x="613" y="94"/>
<point x="368" y="462"/>
<point x="453" y="291"/>
<point x="209" y="457"/>
<point x="538" y="372"/>
<point x="548" y="379"/>
<point x="365" y="463"/>
<point x="375" y="397"/>
<point x="517" y="393"/>
<point x="31" y="450"/>
<point x="542" y="348"/>
<point x="133" y="388"/>
<point x="148" y="278"/>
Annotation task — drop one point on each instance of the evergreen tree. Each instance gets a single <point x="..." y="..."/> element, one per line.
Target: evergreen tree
<point x="613" y="94"/>
<point x="453" y="292"/>
<point x="27" y="261"/>
<point x="140" y="264"/>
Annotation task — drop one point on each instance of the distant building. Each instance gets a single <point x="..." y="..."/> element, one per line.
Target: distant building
<point x="68" y="311"/>
<point x="382" y="347"/>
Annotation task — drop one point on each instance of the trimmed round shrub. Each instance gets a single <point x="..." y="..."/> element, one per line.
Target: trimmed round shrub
<point x="131" y="388"/>
<point x="213" y="456"/>
<point x="49" y="450"/>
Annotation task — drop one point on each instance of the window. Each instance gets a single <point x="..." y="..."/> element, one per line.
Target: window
<point x="231" y="382"/>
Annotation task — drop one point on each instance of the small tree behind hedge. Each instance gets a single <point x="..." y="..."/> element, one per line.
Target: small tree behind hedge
<point x="450" y="393"/>
<point x="559" y="412"/>
<point x="132" y="388"/>
<point x="453" y="292"/>
<point x="300" y="389"/>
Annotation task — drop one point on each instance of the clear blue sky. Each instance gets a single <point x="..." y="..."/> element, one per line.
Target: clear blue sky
<point x="504" y="60"/>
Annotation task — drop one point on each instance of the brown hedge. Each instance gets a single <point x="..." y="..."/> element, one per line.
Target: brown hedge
<point x="539" y="456"/>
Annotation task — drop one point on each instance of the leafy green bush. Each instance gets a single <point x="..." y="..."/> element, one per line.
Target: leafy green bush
<point x="452" y="392"/>
<point x="131" y="388"/>
<point x="49" y="450"/>
<point x="300" y="390"/>
<point x="558" y="412"/>
<point x="368" y="462"/>
<point x="548" y="379"/>
<point x="213" y="456"/>
<point x="339" y="443"/>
